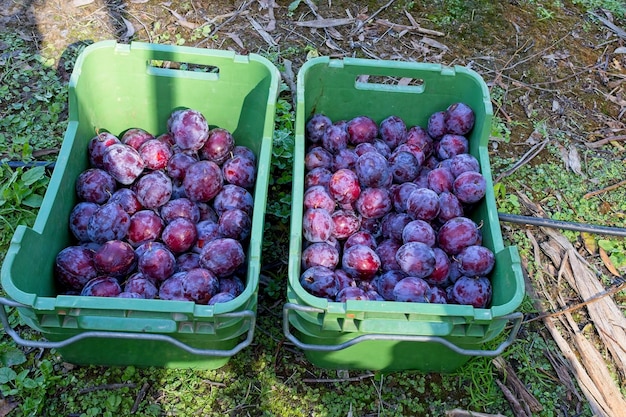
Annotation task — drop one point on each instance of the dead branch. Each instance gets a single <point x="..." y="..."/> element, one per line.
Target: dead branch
<point x="370" y="18"/>
<point x="611" y="291"/>
<point x="140" y="396"/>
<point x="618" y="31"/>
<point x="527" y="157"/>
<point x="517" y="387"/>
<point x="399" y="27"/>
<point x="517" y="408"/>
<point x="602" y="142"/>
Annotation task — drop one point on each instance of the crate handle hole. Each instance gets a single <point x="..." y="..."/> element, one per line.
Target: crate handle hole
<point x="160" y="65"/>
<point x="388" y="83"/>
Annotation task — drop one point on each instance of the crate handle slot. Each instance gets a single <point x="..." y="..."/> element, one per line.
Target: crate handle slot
<point x="167" y="68"/>
<point x="389" y="83"/>
<point x="516" y="318"/>
<point x="40" y="344"/>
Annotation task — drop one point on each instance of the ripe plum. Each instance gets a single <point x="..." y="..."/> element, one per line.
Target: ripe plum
<point x="374" y="203"/>
<point x="459" y="118"/>
<point x="372" y="170"/>
<point x="361" y="129"/>
<point x="109" y="222"/>
<point x="79" y="219"/>
<point x="218" y="146"/>
<point x="203" y="181"/>
<point x="345" y="223"/>
<point x="476" y="292"/>
<point x="416" y="259"/>
<point x="95" y="185"/>
<point x="145" y="226"/>
<point x="411" y="289"/>
<point x="189" y="127"/>
<point x="123" y="162"/>
<point x="240" y="171"/>
<point x="153" y="189"/>
<point x="74" y="267"/>
<point x="317" y="225"/>
<point x="475" y="260"/>
<point x="235" y="223"/>
<point x="393" y="131"/>
<point x="360" y="262"/>
<point x="155" y="154"/>
<point x="456" y="234"/>
<point x="179" y="235"/>
<point x="469" y="187"/>
<point x="114" y="258"/>
<point x="423" y="204"/>
<point x="320" y="254"/>
<point x="102" y="287"/>
<point x="316" y="127"/>
<point x="135" y="137"/>
<point x="320" y="282"/>
<point x="222" y="256"/>
<point x="98" y="145"/>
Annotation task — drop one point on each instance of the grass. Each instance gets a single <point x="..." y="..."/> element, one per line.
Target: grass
<point x="269" y="378"/>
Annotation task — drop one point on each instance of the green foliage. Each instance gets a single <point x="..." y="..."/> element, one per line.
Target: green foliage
<point x="33" y="101"/>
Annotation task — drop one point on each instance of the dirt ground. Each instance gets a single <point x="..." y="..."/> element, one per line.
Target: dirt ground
<point x="563" y="66"/>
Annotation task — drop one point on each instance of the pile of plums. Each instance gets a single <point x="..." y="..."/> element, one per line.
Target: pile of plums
<point x="385" y="211"/>
<point x="164" y="216"/>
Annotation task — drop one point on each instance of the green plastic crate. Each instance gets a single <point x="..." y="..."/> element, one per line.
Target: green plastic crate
<point x="114" y="87"/>
<point x="385" y="335"/>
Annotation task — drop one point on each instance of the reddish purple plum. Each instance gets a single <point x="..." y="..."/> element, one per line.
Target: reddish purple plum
<point x="361" y="129"/>
<point x="475" y="260"/>
<point x="411" y="289"/>
<point x="476" y="292"/>
<point x="79" y="219"/>
<point x="457" y="234"/>
<point x="423" y="204"/>
<point x="393" y="131"/>
<point x="319" y="281"/>
<point x="361" y="262"/>
<point x="240" y="171"/>
<point x="109" y="222"/>
<point x="320" y="254"/>
<point x="98" y="145"/>
<point x="459" y="118"/>
<point x="416" y="259"/>
<point x="153" y="189"/>
<point x="316" y="127"/>
<point x="218" y="147"/>
<point x="419" y="231"/>
<point x="180" y="207"/>
<point x="155" y="154"/>
<point x="222" y="256"/>
<point x="374" y="203"/>
<point x="235" y="223"/>
<point x="102" y="287"/>
<point x="123" y="162"/>
<point x="95" y="185"/>
<point x="115" y="258"/>
<point x="135" y="137"/>
<point x="189" y="127"/>
<point x="203" y="181"/>
<point x="470" y="187"/>
<point x="345" y="223"/>
<point x="145" y="226"/>
<point x="74" y="267"/>
<point x="177" y="165"/>
<point x="317" y="225"/>
<point x="179" y="235"/>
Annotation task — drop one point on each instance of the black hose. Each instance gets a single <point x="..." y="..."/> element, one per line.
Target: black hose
<point x="20" y="164"/>
<point x="559" y="224"/>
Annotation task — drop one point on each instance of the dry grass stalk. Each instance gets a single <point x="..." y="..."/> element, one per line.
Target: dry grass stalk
<point x="517" y="387"/>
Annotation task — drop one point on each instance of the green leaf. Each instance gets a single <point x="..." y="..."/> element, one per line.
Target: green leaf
<point x="607" y="245"/>
<point x="7" y="375"/>
<point x="13" y="357"/>
<point x="33" y="175"/>
<point x="293" y="5"/>
<point x="30" y="383"/>
<point x="33" y="201"/>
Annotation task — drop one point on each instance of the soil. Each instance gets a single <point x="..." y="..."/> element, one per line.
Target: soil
<point x="564" y="67"/>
